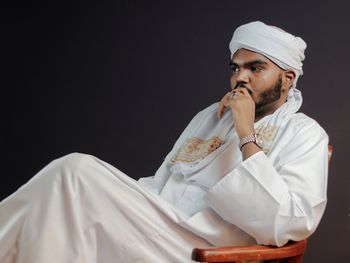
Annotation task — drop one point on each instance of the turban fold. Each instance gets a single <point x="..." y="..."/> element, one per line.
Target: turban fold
<point x="284" y="49"/>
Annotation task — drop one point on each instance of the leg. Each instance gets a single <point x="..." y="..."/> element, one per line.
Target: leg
<point x="80" y="209"/>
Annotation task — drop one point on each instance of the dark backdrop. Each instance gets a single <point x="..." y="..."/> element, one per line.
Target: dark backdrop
<point x="120" y="80"/>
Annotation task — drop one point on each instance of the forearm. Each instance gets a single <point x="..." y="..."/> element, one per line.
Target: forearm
<point x="259" y="201"/>
<point x="276" y="200"/>
<point x="249" y="149"/>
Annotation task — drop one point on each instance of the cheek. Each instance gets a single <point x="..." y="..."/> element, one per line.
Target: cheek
<point x="232" y="78"/>
<point x="233" y="81"/>
<point x="265" y="80"/>
<point x="269" y="77"/>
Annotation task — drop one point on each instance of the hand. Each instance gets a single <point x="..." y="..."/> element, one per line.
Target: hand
<point x="243" y="110"/>
<point x="223" y="104"/>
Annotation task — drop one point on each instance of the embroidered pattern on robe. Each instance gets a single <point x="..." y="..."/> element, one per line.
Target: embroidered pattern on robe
<point x="195" y="149"/>
<point x="266" y="134"/>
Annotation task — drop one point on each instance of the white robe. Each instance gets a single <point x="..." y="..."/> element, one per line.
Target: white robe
<point x="273" y="198"/>
<point x="81" y="209"/>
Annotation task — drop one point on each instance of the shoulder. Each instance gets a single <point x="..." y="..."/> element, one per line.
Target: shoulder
<point x="300" y="127"/>
<point x="206" y="112"/>
<point x="300" y="121"/>
<point x="210" y="108"/>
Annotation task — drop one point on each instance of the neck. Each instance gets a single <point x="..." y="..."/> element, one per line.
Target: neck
<point x="267" y="109"/>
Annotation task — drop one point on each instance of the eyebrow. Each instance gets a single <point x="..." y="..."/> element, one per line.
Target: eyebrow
<point x="251" y="63"/>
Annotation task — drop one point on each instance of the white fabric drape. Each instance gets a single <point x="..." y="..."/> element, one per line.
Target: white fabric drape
<point x="80" y="209"/>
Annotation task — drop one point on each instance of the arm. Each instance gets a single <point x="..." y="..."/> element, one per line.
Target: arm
<point x="280" y="201"/>
<point x="243" y="112"/>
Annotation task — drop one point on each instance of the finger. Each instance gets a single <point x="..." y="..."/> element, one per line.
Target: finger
<point x="245" y="91"/>
<point x="221" y="109"/>
<point x="240" y="90"/>
<point x="223" y="104"/>
<point x="234" y="96"/>
<point x="231" y="95"/>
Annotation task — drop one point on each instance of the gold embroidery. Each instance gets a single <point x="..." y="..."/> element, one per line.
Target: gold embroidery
<point x="196" y="149"/>
<point x="265" y="135"/>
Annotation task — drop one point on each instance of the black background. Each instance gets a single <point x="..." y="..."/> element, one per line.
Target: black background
<point x="121" y="79"/>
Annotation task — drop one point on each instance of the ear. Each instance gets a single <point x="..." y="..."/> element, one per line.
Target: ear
<point x="288" y="78"/>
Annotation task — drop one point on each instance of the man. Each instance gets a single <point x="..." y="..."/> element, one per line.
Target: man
<point x="246" y="170"/>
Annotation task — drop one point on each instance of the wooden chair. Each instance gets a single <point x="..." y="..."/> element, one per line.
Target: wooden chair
<point x="292" y="252"/>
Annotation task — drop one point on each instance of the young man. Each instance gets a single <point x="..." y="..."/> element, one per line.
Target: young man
<point x="246" y="170"/>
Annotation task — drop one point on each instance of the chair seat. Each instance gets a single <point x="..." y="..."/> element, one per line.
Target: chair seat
<point x="258" y="252"/>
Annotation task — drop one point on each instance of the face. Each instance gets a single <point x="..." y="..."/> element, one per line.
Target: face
<point x="261" y="77"/>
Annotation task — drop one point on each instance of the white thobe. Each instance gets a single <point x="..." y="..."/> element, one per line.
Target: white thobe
<point x="81" y="209"/>
<point x="271" y="198"/>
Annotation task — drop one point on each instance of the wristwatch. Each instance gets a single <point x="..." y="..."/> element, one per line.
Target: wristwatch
<point x="253" y="138"/>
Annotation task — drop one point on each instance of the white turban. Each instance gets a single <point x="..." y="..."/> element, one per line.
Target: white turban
<point x="284" y="49"/>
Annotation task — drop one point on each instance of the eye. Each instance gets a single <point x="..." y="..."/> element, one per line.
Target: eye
<point x="255" y="68"/>
<point x="233" y="67"/>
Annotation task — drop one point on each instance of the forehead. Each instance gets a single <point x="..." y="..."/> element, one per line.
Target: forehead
<point x="243" y="56"/>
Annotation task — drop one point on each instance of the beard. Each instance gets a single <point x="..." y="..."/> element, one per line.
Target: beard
<point x="270" y="95"/>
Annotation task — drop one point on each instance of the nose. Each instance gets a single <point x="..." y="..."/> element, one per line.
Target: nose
<point x="241" y="76"/>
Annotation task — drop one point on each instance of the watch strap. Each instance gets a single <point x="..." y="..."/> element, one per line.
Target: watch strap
<point x="252" y="138"/>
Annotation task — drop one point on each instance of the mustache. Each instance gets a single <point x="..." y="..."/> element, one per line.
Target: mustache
<point x="241" y="85"/>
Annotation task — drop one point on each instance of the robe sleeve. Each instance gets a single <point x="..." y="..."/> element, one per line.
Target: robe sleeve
<point x="280" y="201"/>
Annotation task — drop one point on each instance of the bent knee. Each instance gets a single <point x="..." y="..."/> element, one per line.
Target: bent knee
<point x="74" y="158"/>
<point x="72" y="161"/>
<point x="62" y="170"/>
<point x="67" y="165"/>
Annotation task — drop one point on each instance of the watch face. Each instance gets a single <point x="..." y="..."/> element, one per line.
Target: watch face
<point x="258" y="141"/>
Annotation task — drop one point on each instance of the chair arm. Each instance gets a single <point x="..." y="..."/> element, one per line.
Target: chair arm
<point x="240" y="253"/>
